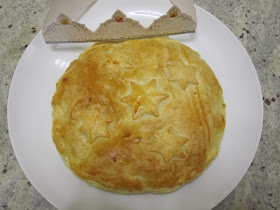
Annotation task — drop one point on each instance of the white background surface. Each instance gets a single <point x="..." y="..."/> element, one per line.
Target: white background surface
<point x="29" y="115"/>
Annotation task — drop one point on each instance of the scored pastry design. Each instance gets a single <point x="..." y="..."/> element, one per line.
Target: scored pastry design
<point x="95" y="131"/>
<point x="119" y="65"/>
<point x="182" y="73"/>
<point x="140" y="116"/>
<point x="168" y="145"/>
<point x="144" y="99"/>
<point x="91" y="121"/>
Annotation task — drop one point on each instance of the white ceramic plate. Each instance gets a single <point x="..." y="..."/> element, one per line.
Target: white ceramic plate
<point x="30" y="122"/>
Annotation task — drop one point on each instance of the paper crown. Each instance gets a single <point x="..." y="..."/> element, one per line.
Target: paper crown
<point x="119" y="27"/>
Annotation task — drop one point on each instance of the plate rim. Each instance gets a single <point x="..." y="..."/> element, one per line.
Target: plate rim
<point x="217" y="201"/>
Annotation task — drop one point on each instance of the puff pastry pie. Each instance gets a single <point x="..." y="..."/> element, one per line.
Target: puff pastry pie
<point x="138" y="116"/>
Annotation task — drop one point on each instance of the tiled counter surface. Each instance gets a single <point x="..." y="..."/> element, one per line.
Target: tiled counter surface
<point x="256" y="23"/>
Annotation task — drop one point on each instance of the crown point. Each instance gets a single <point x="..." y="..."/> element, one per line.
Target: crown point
<point x="174" y="11"/>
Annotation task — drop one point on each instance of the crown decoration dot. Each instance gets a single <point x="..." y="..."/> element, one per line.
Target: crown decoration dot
<point x="64" y="22"/>
<point x="119" y="19"/>
<point x="173" y="12"/>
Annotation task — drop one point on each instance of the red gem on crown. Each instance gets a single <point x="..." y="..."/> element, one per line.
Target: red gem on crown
<point x="119" y="19"/>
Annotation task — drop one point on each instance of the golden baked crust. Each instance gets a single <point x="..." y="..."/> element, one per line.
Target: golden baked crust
<point x="138" y="116"/>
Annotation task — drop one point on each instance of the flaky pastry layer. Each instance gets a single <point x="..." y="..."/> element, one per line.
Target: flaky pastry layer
<point x="138" y="116"/>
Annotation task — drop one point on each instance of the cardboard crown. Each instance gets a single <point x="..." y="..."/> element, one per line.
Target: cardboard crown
<point x="119" y="27"/>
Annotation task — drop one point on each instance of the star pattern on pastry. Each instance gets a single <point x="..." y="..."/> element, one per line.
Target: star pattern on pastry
<point x="182" y="73"/>
<point x="168" y="145"/>
<point x="118" y="66"/>
<point x="96" y="126"/>
<point x="113" y="67"/>
<point x="144" y="99"/>
<point x="126" y="64"/>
